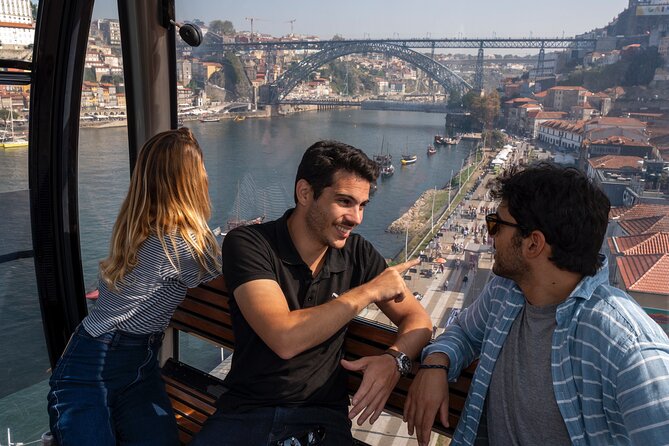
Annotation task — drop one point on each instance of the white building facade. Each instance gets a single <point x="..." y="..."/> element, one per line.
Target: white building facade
<point x="16" y="23"/>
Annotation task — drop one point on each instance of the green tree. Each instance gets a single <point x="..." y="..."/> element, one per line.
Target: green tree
<point x="4" y="115"/>
<point x="112" y="79"/>
<point x="454" y="98"/>
<point x="221" y="27"/>
<point x="89" y="75"/>
<point x="483" y="107"/>
<point x="642" y="66"/>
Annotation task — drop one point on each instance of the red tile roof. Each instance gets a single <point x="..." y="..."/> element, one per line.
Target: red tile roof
<point x="645" y="225"/>
<point x="568" y="126"/>
<point x="607" y="120"/>
<point x="616" y="162"/>
<point x="657" y="243"/>
<point x="642" y="210"/>
<point x="619" y="140"/>
<point x="517" y="100"/>
<point x="645" y="273"/>
<point x="551" y="115"/>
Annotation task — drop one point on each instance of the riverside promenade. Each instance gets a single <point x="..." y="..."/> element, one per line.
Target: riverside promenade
<point x="441" y="303"/>
<point x="465" y="270"/>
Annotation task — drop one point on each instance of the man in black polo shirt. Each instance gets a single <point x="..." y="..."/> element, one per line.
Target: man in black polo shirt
<point x="296" y="283"/>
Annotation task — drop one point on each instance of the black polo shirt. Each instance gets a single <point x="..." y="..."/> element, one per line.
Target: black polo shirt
<point x="259" y="377"/>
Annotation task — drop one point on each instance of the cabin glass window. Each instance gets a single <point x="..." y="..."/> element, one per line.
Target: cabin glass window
<point x="24" y="366"/>
<point x="104" y="166"/>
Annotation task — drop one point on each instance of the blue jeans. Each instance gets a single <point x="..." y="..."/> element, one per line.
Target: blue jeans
<point x="270" y="425"/>
<point x="108" y="391"/>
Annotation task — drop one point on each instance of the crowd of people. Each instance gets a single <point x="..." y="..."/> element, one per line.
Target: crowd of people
<point x="564" y="357"/>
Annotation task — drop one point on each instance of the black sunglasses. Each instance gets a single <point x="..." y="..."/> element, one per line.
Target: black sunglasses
<point x="493" y="221"/>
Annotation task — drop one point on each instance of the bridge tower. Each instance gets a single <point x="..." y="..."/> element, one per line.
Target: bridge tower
<point x="540" y="62"/>
<point x="478" y="74"/>
<point x="430" y="85"/>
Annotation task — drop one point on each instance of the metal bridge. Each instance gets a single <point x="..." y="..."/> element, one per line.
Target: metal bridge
<point x="405" y="49"/>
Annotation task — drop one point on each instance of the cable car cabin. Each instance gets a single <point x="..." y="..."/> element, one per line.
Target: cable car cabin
<point x="68" y="184"/>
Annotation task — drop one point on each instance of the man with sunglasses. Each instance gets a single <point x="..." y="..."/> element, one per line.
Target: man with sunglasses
<point x="564" y="357"/>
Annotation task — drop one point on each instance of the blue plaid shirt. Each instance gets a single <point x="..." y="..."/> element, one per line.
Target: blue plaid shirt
<point x="609" y="362"/>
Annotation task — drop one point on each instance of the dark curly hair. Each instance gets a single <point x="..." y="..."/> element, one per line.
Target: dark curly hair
<point x="325" y="158"/>
<point x="564" y="205"/>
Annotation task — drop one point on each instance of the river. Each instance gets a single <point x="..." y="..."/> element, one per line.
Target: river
<point x="254" y="162"/>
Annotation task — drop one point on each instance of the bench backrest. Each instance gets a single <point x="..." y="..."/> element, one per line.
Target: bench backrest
<point x="205" y="313"/>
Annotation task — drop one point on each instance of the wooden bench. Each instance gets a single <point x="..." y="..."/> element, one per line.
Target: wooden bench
<point x="205" y="313"/>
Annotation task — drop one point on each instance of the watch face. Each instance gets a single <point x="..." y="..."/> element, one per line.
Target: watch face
<point x="402" y="360"/>
<point x="404" y="363"/>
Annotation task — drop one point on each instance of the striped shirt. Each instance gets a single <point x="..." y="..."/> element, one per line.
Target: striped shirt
<point x="149" y="294"/>
<point x="609" y="362"/>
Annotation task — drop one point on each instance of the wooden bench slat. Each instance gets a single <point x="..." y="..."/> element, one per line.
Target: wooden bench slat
<point x="205" y="313"/>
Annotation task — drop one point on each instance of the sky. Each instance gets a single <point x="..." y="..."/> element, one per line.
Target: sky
<point x="359" y="19"/>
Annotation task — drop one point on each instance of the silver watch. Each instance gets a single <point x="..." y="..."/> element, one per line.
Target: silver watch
<point x="402" y="360"/>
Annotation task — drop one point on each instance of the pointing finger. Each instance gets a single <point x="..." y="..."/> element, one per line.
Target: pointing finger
<point x="401" y="267"/>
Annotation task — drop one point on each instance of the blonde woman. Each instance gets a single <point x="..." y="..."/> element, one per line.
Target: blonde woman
<point x="106" y="389"/>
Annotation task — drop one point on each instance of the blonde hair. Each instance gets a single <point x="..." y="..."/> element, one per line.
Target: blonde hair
<point x="168" y="197"/>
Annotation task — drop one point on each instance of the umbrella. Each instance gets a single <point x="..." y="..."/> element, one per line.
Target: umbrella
<point x="440" y="260"/>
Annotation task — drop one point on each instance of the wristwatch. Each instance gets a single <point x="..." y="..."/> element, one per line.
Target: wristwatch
<point x="402" y="360"/>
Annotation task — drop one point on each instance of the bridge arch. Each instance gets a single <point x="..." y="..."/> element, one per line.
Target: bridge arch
<point x="336" y="49"/>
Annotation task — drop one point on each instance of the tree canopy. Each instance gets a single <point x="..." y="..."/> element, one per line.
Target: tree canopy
<point x="484" y="108"/>
<point x="221" y="27"/>
<point x="4" y="115"/>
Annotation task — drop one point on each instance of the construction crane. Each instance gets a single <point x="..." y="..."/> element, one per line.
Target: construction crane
<point x="252" y="19"/>
<point x="291" y="25"/>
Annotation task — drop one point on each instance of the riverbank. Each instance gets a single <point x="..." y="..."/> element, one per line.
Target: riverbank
<point x="424" y="218"/>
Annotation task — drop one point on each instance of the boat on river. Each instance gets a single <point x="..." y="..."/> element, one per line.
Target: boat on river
<point x="431" y="150"/>
<point x="10" y="139"/>
<point x="209" y="119"/>
<point x="387" y="171"/>
<point x="408" y="159"/>
<point x="14" y="143"/>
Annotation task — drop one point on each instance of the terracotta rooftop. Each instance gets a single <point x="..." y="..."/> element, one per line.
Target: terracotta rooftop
<point x="645" y="273"/>
<point x="619" y="140"/>
<point x="645" y="225"/>
<point x="560" y="124"/>
<point x="551" y="115"/>
<point x="616" y="162"/>
<point x="640" y="210"/>
<point x="657" y="243"/>
<point x="517" y="100"/>
<point x="611" y="121"/>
